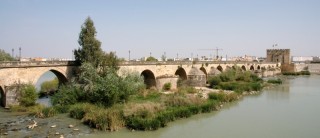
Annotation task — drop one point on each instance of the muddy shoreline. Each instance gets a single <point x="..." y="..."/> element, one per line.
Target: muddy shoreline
<point x="16" y="125"/>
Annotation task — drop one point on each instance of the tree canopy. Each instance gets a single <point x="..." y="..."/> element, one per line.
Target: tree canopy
<point x="90" y="48"/>
<point x="5" y="56"/>
<point x="151" y="59"/>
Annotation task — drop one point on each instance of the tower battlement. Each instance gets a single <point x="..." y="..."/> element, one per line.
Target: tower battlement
<point x="279" y="55"/>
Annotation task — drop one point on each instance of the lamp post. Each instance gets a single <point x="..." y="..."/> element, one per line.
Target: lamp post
<point x="129" y="55"/>
<point x="12" y="52"/>
<point x="19" y="53"/>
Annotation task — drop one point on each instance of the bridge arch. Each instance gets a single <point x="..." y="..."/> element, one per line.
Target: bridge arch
<point x="243" y="68"/>
<point x="258" y="68"/>
<point x="220" y="68"/>
<point x="205" y="72"/>
<point x="251" y="68"/>
<point x="181" y="73"/>
<point x="2" y="97"/>
<point x="149" y="78"/>
<point x="59" y="74"/>
<point x="50" y="75"/>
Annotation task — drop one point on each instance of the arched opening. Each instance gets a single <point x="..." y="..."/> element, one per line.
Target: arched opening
<point x="149" y="78"/>
<point x="181" y="73"/>
<point x="2" y="98"/>
<point x="48" y="84"/>
<point x="205" y="72"/>
<point x="258" y="67"/>
<point x="243" y="68"/>
<point x="219" y="68"/>
<point x="252" y="68"/>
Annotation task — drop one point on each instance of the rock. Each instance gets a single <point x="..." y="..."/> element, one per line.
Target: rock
<point x="57" y="133"/>
<point x="53" y="126"/>
<point x="61" y="136"/>
<point x="76" y="129"/>
<point x="70" y="126"/>
<point x="32" y="125"/>
<point x="5" y="133"/>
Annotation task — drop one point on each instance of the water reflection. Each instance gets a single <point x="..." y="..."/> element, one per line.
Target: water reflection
<point x="280" y="92"/>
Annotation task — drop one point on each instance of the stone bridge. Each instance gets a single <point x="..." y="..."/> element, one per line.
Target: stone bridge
<point x="156" y="74"/>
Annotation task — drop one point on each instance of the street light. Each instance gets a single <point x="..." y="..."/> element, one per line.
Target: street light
<point x="129" y="55"/>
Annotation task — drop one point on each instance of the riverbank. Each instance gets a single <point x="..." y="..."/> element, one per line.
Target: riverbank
<point x="15" y="124"/>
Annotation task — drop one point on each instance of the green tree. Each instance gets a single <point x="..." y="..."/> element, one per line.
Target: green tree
<point x="151" y="59"/>
<point x="109" y="63"/>
<point x="5" y="56"/>
<point x="50" y="86"/>
<point x="28" y="95"/>
<point x="90" y="48"/>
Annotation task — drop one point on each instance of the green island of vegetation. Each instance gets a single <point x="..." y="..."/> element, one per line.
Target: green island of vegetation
<point x="102" y="99"/>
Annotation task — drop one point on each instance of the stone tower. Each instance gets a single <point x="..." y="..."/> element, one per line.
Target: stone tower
<point x="279" y="55"/>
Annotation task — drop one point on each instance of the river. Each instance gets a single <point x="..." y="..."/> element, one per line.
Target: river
<point x="291" y="110"/>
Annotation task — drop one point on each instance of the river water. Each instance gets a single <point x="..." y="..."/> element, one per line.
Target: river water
<point x="291" y="110"/>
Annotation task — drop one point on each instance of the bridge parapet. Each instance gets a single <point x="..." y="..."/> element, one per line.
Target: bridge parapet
<point x="135" y="63"/>
<point x="17" y="64"/>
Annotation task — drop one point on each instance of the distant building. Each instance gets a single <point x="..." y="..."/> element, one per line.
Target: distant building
<point x="301" y="59"/>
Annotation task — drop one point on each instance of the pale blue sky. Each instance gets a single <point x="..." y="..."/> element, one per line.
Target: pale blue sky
<point x="50" y="28"/>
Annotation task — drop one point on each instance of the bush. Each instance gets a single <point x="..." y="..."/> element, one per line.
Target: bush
<point x="187" y="89"/>
<point x="49" y="112"/>
<point x="78" y="111"/>
<point x="49" y="87"/>
<point x="223" y="97"/>
<point x="214" y="81"/>
<point x="67" y="95"/>
<point x="104" y="119"/>
<point x="28" y="95"/>
<point x="166" y="86"/>
<point x="275" y="81"/>
<point x="296" y="73"/>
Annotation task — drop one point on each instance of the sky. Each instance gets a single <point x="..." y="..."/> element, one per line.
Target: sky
<point x="50" y="28"/>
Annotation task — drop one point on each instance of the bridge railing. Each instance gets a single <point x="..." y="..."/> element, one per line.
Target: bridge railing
<point x="126" y="63"/>
<point x="11" y="64"/>
<point x="8" y="64"/>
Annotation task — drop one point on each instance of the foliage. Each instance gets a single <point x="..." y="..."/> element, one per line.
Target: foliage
<point x="49" y="87"/>
<point x="223" y="97"/>
<point x="98" y="117"/>
<point x="296" y="73"/>
<point x="275" y="81"/>
<point x="214" y="81"/>
<point x="5" y="56"/>
<point x="94" y="88"/>
<point x="109" y="62"/>
<point x="187" y="89"/>
<point x="28" y="95"/>
<point x="90" y="48"/>
<point x="166" y="86"/>
<point x="151" y="59"/>
<point x="67" y="95"/>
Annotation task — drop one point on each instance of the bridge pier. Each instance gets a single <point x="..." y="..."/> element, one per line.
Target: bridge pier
<point x="162" y="80"/>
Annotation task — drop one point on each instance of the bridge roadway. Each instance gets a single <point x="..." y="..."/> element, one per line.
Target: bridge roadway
<point x="155" y="73"/>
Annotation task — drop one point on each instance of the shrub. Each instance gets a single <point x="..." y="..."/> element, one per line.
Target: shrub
<point x="223" y="97"/>
<point x="49" y="87"/>
<point x="78" y="111"/>
<point x="67" y="95"/>
<point x="28" y="95"/>
<point x="49" y="112"/>
<point x="187" y="89"/>
<point x="275" y="81"/>
<point x="104" y="119"/>
<point x="214" y="81"/>
<point x="167" y="86"/>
